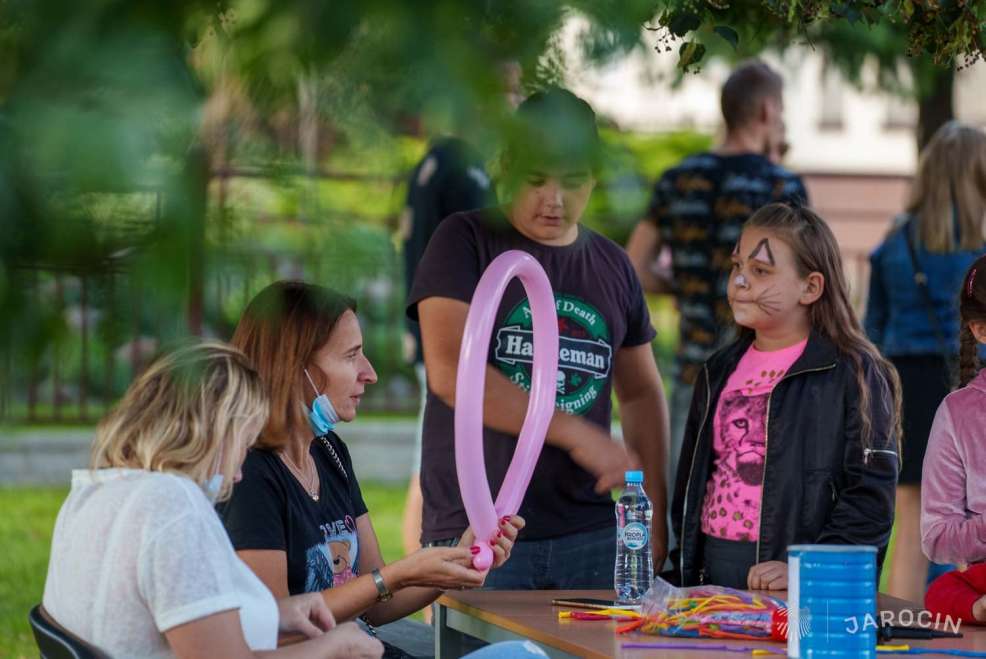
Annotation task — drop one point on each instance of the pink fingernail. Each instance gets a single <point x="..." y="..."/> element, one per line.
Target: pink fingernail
<point x="474" y="550"/>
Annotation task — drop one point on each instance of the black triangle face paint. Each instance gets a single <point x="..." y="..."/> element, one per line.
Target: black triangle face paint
<point x="762" y="252"/>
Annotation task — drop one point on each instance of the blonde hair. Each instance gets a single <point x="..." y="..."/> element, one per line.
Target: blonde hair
<point x="951" y="178"/>
<point x="186" y="412"/>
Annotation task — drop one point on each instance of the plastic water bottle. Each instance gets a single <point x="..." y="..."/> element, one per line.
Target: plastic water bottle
<point x="634" y="562"/>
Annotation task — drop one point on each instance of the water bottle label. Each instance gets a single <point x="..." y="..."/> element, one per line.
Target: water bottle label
<point x="635" y="536"/>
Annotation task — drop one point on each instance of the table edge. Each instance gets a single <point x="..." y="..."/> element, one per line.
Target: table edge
<point x="520" y="630"/>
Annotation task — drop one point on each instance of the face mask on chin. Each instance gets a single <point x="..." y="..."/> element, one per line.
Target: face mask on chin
<point x="322" y="417"/>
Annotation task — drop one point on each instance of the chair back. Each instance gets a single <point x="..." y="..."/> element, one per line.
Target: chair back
<point x="56" y="642"/>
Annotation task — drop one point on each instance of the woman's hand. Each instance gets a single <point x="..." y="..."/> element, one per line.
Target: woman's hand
<point x="348" y="641"/>
<point x="305" y="614"/>
<point x="437" y="567"/>
<point x="503" y="542"/>
<point x="770" y="575"/>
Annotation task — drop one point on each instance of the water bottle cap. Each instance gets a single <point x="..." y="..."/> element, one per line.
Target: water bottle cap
<point x="635" y="477"/>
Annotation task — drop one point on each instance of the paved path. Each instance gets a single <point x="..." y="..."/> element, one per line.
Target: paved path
<point x="382" y="451"/>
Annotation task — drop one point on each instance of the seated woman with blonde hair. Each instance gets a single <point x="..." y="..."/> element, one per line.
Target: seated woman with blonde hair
<point x="140" y="563"/>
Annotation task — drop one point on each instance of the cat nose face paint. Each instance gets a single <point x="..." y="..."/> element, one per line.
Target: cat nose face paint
<point x="741" y="281"/>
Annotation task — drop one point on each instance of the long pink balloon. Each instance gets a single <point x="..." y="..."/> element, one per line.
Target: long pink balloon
<point x="470" y="388"/>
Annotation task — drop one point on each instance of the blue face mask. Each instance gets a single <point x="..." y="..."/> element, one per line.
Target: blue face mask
<point x="321" y="415"/>
<point x="213" y="486"/>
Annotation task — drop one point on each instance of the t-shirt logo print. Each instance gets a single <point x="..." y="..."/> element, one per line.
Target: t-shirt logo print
<point x="585" y="355"/>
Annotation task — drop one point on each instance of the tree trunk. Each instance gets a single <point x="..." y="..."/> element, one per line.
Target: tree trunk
<point x="935" y="103"/>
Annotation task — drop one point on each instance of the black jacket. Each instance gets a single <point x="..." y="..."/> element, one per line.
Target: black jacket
<point x="820" y="485"/>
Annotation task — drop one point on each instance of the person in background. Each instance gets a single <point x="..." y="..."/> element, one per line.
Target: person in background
<point x="450" y="178"/>
<point x="912" y="312"/>
<point x="792" y="436"/>
<point x="298" y="518"/>
<point x="140" y="564"/>
<point x="696" y="212"/>
<point x="549" y="167"/>
<point x="953" y="501"/>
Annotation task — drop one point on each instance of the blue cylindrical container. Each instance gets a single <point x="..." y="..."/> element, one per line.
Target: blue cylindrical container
<point x="831" y="601"/>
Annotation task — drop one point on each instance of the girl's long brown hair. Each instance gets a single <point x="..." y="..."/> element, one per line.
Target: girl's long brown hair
<point x="972" y="308"/>
<point x="816" y="250"/>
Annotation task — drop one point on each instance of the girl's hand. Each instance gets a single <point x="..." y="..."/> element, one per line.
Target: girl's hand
<point x="502" y="543"/>
<point x="979" y="609"/>
<point x="438" y="567"/>
<point x="305" y="614"/>
<point x="771" y="575"/>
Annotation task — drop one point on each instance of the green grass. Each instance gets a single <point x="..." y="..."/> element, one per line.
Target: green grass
<point x="25" y="538"/>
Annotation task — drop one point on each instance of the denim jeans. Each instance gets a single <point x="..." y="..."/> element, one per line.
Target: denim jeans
<point x="581" y="560"/>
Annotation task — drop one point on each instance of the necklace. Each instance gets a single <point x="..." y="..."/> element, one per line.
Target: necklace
<point x="308" y="482"/>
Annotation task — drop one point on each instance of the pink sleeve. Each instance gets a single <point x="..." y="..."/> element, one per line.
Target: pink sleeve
<point x="948" y="535"/>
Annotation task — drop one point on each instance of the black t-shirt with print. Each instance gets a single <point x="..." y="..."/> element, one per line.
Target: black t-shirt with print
<point x="699" y="208"/>
<point x="270" y="509"/>
<point x="600" y="309"/>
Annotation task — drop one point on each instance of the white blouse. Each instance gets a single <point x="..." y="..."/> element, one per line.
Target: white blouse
<point x="136" y="553"/>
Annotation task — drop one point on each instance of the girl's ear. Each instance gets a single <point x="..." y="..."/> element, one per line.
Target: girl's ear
<point x="813" y="288"/>
<point x="978" y="329"/>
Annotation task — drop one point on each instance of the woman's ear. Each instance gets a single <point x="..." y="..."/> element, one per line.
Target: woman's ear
<point x="813" y="288"/>
<point x="978" y="329"/>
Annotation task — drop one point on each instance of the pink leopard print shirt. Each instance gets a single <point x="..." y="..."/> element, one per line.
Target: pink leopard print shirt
<point x="731" y="509"/>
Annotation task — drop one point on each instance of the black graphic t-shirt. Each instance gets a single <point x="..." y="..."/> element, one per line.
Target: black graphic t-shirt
<point x="270" y="509"/>
<point x="600" y="309"/>
<point x="699" y="208"/>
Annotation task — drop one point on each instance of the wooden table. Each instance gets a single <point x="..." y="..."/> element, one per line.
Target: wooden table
<point x="505" y="615"/>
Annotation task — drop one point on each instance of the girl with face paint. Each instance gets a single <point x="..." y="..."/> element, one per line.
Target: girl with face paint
<point x="298" y="518"/>
<point x="793" y="432"/>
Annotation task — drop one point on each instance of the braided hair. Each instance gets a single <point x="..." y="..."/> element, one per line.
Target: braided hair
<point x="972" y="308"/>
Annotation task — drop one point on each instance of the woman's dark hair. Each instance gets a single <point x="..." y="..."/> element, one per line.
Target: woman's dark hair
<point x="282" y="327"/>
<point x="972" y="308"/>
<point x="551" y="129"/>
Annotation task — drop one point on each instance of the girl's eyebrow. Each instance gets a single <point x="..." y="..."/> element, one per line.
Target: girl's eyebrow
<point x="761" y="251"/>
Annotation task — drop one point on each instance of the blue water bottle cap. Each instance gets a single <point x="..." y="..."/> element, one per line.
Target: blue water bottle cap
<point x="636" y="477"/>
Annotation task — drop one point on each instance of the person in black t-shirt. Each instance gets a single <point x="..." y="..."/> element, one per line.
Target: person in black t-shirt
<point x="298" y="518"/>
<point x="450" y="178"/>
<point x="696" y="212"/>
<point x="549" y="166"/>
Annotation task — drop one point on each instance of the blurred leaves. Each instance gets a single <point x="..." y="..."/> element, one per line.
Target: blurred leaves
<point x="115" y="114"/>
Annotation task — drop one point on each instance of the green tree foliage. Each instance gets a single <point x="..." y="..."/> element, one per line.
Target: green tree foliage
<point x="107" y="147"/>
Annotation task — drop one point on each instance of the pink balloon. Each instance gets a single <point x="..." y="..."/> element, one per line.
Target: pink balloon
<point x="470" y="388"/>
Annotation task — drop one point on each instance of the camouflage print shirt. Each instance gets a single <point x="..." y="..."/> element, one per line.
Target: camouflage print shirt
<point x="699" y="208"/>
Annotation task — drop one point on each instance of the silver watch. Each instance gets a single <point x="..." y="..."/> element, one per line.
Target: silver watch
<point x="383" y="593"/>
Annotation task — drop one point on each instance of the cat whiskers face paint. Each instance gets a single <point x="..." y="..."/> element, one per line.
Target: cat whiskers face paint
<point x="768" y="301"/>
